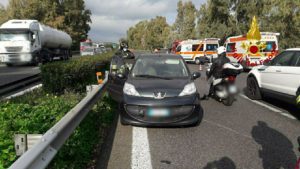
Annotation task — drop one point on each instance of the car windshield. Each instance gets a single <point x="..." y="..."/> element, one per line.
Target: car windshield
<point x="159" y="67"/>
<point x="14" y="36"/>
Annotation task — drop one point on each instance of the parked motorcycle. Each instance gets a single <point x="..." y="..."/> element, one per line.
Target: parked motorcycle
<point x="224" y="89"/>
<point x="298" y="162"/>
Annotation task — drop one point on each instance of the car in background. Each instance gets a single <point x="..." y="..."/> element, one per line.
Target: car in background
<point x="280" y="78"/>
<point x="87" y="48"/>
<point x="158" y="91"/>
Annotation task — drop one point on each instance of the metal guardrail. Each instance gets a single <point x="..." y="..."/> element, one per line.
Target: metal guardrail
<point x="41" y="154"/>
<point x="12" y="86"/>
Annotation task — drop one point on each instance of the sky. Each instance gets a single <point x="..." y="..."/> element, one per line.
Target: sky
<point x="112" y="18"/>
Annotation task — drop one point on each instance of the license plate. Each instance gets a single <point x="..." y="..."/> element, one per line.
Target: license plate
<point x="158" y="112"/>
<point x="232" y="89"/>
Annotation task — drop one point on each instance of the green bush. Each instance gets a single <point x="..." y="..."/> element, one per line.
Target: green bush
<point x="37" y="112"/>
<point x="33" y="113"/>
<point x="72" y="75"/>
<point x="77" y="152"/>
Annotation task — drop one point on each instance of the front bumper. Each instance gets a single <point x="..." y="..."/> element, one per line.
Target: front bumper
<point x="16" y="57"/>
<point x="184" y="111"/>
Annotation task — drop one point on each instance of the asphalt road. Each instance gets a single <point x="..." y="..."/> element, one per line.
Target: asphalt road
<point x="247" y="135"/>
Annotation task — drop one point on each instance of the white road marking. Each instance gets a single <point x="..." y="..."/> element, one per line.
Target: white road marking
<point x="140" y="154"/>
<point x="24" y="91"/>
<point x="262" y="104"/>
<point x="35" y="68"/>
<point x="288" y="116"/>
<point x="270" y="108"/>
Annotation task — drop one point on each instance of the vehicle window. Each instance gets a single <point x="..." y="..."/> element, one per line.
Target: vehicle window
<point x="297" y="59"/>
<point x="283" y="59"/>
<point x="201" y="48"/>
<point x="178" y="49"/>
<point x="230" y="47"/>
<point x="159" y="67"/>
<point x="14" y="36"/>
<point x="195" y="47"/>
<point x="211" y="47"/>
<point x="270" y="46"/>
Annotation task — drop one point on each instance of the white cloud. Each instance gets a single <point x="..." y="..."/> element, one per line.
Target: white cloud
<point x="112" y="18"/>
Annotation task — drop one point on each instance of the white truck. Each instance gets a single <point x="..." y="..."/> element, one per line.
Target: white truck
<point x="30" y="42"/>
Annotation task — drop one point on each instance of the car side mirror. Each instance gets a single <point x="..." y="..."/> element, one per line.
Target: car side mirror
<point x="196" y="75"/>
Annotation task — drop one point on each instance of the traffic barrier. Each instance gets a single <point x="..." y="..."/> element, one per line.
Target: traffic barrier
<point x="41" y="154"/>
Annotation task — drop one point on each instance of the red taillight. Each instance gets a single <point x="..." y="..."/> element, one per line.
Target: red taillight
<point x="231" y="78"/>
<point x="298" y="164"/>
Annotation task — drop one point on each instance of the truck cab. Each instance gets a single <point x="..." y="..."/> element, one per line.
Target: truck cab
<point x="17" y="41"/>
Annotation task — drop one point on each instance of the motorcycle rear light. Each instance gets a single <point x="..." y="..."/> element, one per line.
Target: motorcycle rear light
<point x="231" y="78"/>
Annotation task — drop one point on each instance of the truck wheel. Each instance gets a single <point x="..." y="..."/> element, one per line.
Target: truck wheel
<point x="197" y="61"/>
<point x="253" y="91"/>
<point x="9" y="64"/>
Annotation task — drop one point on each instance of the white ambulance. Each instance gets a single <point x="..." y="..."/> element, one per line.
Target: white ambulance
<point x="198" y="51"/>
<point x="251" y="53"/>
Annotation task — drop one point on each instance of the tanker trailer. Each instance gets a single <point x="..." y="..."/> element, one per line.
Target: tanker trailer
<point x="30" y="42"/>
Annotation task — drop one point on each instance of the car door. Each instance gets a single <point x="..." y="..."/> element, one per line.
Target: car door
<point x="276" y="75"/>
<point x="292" y="75"/>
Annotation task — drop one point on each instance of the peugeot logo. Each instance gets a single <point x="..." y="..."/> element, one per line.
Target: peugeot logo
<point x="159" y="95"/>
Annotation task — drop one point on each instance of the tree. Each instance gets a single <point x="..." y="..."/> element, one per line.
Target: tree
<point x="184" y="26"/>
<point x="3" y="15"/>
<point x="149" y="34"/>
<point x="215" y="20"/>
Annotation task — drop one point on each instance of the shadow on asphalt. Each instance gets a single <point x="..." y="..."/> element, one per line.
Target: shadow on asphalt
<point x="276" y="149"/>
<point x="106" y="147"/>
<point x="223" y="163"/>
<point x="292" y="109"/>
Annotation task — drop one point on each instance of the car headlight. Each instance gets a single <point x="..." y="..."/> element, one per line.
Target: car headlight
<point x="129" y="89"/>
<point x="188" y="89"/>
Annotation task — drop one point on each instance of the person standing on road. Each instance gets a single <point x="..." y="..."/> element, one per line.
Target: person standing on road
<point x="118" y="64"/>
<point x="217" y="67"/>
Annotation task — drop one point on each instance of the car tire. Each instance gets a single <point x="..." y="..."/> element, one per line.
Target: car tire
<point x="197" y="61"/>
<point x="253" y="91"/>
<point x="9" y="65"/>
<point x="123" y="122"/>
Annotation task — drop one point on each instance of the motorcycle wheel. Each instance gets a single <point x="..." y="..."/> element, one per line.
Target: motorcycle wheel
<point x="229" y="100"/>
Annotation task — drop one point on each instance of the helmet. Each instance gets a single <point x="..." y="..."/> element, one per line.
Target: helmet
<point x="221" y="50"/>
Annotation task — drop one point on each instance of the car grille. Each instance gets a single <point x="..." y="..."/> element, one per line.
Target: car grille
<point x="14" y="58"/>
<point x="14" y="49"/>
<point x="177" y="113"/>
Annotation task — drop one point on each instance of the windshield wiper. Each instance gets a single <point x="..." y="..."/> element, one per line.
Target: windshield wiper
<point x="154" y="77"/>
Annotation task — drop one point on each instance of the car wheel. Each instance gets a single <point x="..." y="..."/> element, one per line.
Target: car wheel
<point x="197" y="61"/>
<point x="253" y="91"/>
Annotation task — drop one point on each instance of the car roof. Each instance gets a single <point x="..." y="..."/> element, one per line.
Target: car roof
<point x="293" y="49"/>
<point x="167" y="56"/>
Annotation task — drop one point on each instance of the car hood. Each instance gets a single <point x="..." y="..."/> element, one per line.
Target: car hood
<point x="147" y="87"/>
